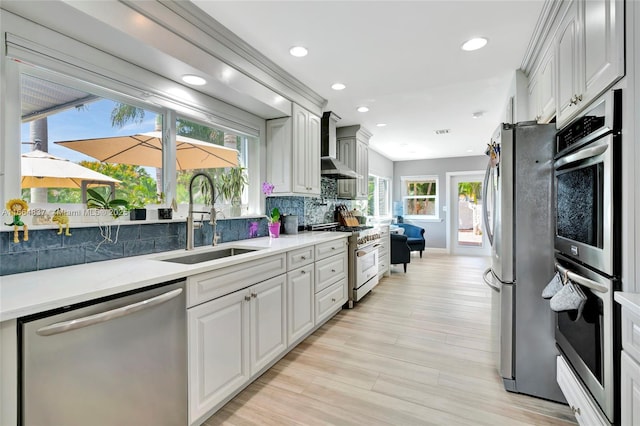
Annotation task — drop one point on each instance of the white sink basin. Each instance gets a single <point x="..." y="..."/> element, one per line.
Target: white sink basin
<point x="190" y="259"/>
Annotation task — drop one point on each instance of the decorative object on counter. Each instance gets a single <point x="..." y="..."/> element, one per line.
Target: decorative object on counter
<point x="253" y="229"/>
<point x="165" y="213"/>
<point x="60" y="217"/>
<point x="274" y="223"/>
<point x="117" y="206"/>
<point x="18" y="208"/>
<point x="138" y="214"/>
<point x="231" y="184"/>
<point x="291" y="224"/>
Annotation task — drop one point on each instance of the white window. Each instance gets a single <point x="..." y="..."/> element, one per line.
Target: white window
<point x="379" y="196"/>
<point x="420" y="197"/>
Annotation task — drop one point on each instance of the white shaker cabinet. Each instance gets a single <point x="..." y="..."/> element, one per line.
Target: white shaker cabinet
<point x="590" y="54"/>
<point x="218" y="351"/>
<point x="231" y="339"/>
<point x="293" y="153"/>
<point x="630" y="361"/>
<point x="542" y="88"/>
<point x="300" y="302"/>
<point x="353" y="150"/>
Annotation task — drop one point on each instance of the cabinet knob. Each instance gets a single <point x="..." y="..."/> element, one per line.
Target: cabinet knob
<point x="333" y="248"/>
<point x="303" y="258"/>
<point x="333" y="270"/>
<point x="247" y="298"/>
<point x="254" y="295"/>
<point x="333" y="299"/>
<point x="303" y="272"/>
<point x="575" y="410"/>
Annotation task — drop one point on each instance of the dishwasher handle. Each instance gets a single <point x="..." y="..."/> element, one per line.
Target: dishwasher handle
<point x="74" y="324"/>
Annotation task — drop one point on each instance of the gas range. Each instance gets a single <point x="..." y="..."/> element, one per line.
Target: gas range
<point x="361" y="236"/>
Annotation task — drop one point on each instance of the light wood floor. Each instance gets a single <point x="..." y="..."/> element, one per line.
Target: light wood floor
<point x="416" y="351"/>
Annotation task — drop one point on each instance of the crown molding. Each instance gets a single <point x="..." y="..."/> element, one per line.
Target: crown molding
<point x="214" y="38"/>
<point x="544" y="27"/>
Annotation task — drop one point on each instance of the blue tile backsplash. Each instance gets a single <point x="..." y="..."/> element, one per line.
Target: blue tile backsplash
<point x="46" y="249"/>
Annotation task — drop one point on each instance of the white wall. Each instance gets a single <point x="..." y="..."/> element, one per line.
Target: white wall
<point x="435" y="231"/>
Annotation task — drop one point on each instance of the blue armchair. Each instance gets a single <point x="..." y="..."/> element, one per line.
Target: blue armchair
<point x="415" y="237"/>
<point x="400" y="251"/>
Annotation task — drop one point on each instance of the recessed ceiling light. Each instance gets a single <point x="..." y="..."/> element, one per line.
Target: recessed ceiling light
<point x="362" y="109"/>
<point x="194" y="80"/>
<point x="338" y="86"/>
<point x="442" y="131"/>
<point x="477" y="114"/>
<point x="381" y="124"/>
<point x="469" y="150"/>
<point x="474" y="44"/>
<point x="298" y="51"/>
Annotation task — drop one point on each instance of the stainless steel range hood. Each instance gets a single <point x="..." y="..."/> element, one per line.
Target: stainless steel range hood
<point x="330" y="166"/>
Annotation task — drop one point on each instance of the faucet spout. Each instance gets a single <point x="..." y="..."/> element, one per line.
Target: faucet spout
<point x="212" y="212"/>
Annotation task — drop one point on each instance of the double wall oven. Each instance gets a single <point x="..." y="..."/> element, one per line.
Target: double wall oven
<point x="587" y="245"/>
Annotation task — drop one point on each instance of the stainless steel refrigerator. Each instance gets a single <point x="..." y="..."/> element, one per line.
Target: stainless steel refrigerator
<point x="520" y="225"/>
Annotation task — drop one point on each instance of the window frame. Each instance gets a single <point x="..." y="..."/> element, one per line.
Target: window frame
<point x="435" y="197"/>
<point x="376" y="203"/>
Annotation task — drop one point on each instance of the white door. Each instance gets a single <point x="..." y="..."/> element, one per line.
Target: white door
<point x="300" y="302"/>
<point x="268" y="321"/>
<point x="467" y="233"/>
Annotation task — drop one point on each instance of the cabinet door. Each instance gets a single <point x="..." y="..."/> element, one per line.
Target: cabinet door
<point x="546" y="100"/>
<point x="279" y="153"/>
<point x="268" y="321"/>
<point x="313" y="155"/>
<point x="534" y="97"/>
<point x="630" y="390"/>
<point x="218" y="351"/>
<point x="603" y="45"/>
<point x="363" y="170"/>
<point x="347" y="155"/>
<point x="298" y="148"/>
<point x="568" y="60"/>
<point x="300" y="302"/>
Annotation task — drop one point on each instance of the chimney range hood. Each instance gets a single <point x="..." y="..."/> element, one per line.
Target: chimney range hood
<point x="330" y="166"/>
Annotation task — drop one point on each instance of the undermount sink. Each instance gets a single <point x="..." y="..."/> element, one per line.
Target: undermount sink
<point x="191" y="259"/>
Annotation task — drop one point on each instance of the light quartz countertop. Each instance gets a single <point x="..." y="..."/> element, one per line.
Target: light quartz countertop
<point x="39" y="291"/>
<point x="630" y="301"/>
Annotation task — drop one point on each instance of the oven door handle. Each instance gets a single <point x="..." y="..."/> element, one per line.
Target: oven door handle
<point x="581" y="155"/>
<point x="564" y="272"/>
<point x="367" y="250"/>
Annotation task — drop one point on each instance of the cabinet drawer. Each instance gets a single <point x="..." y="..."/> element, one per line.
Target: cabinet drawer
<point x="330" y="300"/>
<point x="585" y="410"/>
<point x="300" y="257"/>
<point x="210" y="285"/>
<point x="631" y="333"/>
<point x="330" y="248"/>
<point x="330" y="270"/>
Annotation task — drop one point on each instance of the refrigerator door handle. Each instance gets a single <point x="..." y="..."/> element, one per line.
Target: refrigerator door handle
<point x="485" y="210"/>
<point x="488" y="282"/>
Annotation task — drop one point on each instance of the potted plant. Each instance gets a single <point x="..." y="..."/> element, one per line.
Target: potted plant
<point x="274" y="223"/>
<point x="116" y="206"/>
<point x="231" y="185"/>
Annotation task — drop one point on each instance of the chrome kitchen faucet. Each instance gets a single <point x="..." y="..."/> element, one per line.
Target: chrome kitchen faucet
<point x="212" y="212"/>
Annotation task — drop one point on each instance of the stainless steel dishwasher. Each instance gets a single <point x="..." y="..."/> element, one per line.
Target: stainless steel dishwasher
<point x="118" y="361"/>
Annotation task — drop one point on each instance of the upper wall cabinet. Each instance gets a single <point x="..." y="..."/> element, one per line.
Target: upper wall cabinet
<point x="589" y="47"/>
<point x="293" y="153"/>
<point x="353" y="150"/>
<point x="542" y="88"/>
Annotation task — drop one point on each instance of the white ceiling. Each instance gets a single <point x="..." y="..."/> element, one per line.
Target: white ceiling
<point x="402" y="59"/>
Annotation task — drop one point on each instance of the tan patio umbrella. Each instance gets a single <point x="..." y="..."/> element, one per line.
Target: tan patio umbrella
<point x="43" y="170"/>
<point x="145" y="149"/>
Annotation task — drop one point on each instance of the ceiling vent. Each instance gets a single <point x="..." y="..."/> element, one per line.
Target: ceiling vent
<point x="443" y="131"/>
